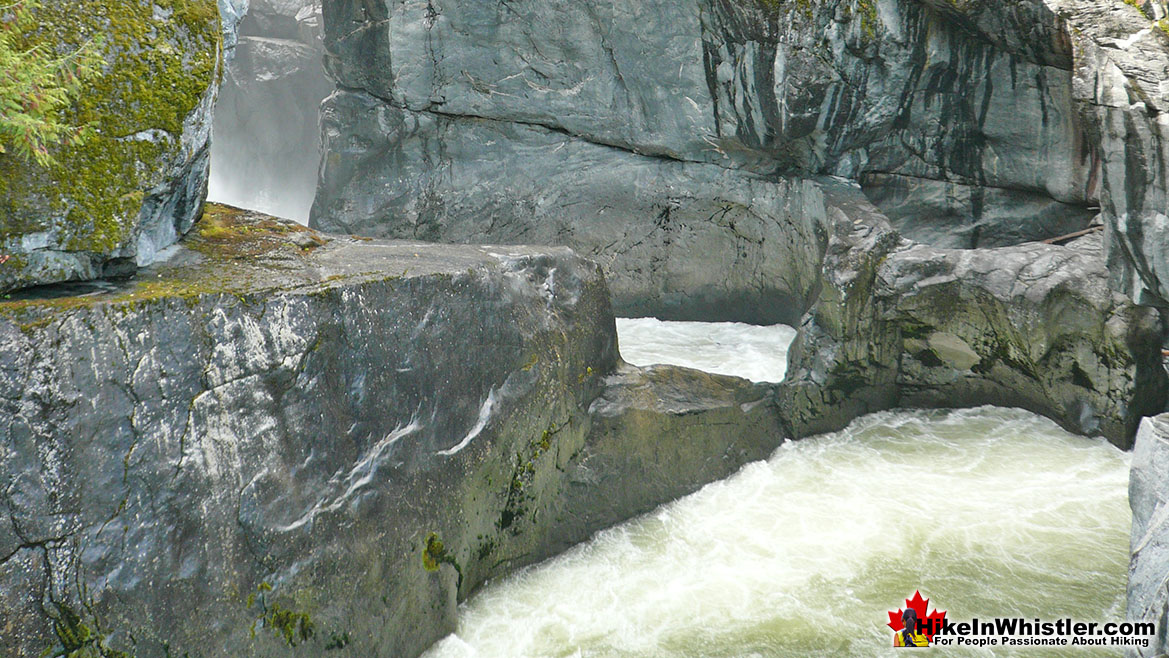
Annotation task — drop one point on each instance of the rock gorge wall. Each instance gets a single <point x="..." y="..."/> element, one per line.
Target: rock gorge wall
<point x="901" y="324"/>
<point x="277" y="439"/>
<point x="686" y="144"/>
<point x="961" y="140"/>
<point x="111" y="204"/>
<point x="1148" y="596"/>
<point x="1122" y="86"/>
<point x="968" y="125"/>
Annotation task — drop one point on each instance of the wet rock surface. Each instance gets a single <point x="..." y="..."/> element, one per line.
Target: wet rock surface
<point x="1033" y="326"/>
<point x="660" y="433"/>
<point x="906" y="93"/>
<point x="285" y="438"/>
<point x="964" y="125"/>
<point x="678" y="240"/>
<point x="1148" y="571"/>
<point x="280" y="437"/>
<point x="1121" y="86"/>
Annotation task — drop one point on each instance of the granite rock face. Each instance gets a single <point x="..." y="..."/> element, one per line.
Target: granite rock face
<point x="678" y="239"/>
<point x="1033" y="326"/>
<point x="1122" y="87"/>
<point x="969" y="124"/>
<point x="279" y="437"/>
<point x="138" y="184"/>
<point x="964" y="140"/>
<point x="1148" y="570"/>
<point x="266" y="150"/>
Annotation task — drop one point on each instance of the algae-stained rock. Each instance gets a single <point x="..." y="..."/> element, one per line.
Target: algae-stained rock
<point x="1121" y="86"/>
<point x="1148" y="569"/>
<point x="1033" y="326"/>
<point x="139" y="182"/>
<point x="280" y="430"/>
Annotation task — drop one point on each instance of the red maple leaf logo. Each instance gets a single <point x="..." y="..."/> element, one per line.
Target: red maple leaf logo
<point x="930" y="624"/>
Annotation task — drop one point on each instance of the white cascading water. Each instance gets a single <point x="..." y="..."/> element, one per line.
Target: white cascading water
<point x="988" y="512"/>
<point x="727" y="348"/>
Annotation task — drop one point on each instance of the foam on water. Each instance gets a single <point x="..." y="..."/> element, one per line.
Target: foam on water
<point x="727" y="348"/>
<point x="988" y="511"/>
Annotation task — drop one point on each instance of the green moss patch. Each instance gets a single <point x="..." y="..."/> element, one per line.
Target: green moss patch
<point x="159" y="67"/>
<point x="294" y="627"/>
<point x="75" y="639"/>
<point x="226" y="232"/>
<point x="236" y="245"/>
<point x="435" y="554"/>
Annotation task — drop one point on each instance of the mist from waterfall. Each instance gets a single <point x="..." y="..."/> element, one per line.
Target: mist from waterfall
<point x="265" y="149"/>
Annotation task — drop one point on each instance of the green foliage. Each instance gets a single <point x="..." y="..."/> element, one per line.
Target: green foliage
<point x="160" y="59"/>
<point x="38" y="84"/>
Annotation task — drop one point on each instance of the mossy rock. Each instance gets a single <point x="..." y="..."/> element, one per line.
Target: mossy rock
<point x="229" y="252"/>
<point x="139" y="181"/>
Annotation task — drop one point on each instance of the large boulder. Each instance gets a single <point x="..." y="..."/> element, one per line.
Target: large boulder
<point x="1033" y="326"/>
<point x="660" y="433"/>
<point x="131" y="190"/>
<point x="280" y="437"/>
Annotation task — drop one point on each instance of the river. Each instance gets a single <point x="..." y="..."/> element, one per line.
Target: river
<point x="988" y="512"/>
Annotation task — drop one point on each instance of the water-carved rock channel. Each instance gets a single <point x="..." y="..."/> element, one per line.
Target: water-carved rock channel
<point x="804" y="552"/>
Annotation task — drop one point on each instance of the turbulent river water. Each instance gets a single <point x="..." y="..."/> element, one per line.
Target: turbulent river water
<point x="988" y="512"/>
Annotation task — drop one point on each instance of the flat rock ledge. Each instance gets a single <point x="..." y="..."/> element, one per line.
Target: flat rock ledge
<point x="278" y="438"/>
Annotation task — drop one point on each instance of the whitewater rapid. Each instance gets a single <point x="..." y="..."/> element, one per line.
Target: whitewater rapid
<point x="988" y="512"/>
